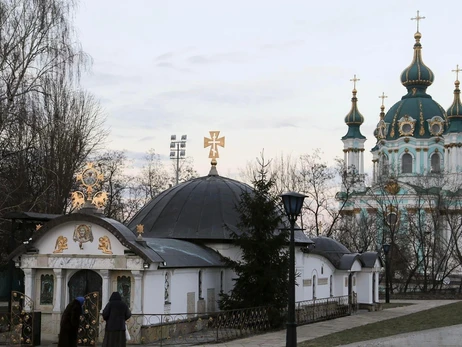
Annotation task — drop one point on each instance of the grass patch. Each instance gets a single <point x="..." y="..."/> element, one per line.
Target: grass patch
<point x="437" y="317"/>
<point x="395" y="304"/>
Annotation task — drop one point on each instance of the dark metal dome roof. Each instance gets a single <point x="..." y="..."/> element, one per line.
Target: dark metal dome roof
<point x="202" y="209"/>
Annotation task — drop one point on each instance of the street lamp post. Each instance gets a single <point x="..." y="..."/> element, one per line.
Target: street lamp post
<point x="386" y="250"/>
<point x="293" y="203"/>
<point x="177" y="152"/>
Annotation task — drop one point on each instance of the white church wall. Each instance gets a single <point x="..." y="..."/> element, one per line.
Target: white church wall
<point x="99" y="241"/>
<point x="315" y="265"/>
<point x="153" y="298"/>
<point x="364" y="287"/>
<point x="226" y="250"/>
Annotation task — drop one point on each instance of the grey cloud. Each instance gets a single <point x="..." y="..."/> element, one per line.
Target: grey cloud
<point x="165" y="56"/>
<point x="165" y="64"/>
<point x="230" y="95"/>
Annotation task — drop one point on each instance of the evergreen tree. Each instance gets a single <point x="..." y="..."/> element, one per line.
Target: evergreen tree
<point x="262" y="271"/>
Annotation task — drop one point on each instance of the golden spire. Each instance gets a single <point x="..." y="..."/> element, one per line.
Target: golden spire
<point x="354" y="80"/>
<point x="417" y="19"/>
<point x="457" y="70"/>
<point x="382" y="108"/>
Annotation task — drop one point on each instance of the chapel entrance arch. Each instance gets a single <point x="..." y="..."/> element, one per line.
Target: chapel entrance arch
<point x="83" y="282"/>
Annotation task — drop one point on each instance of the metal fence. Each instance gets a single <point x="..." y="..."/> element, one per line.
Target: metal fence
<point x="192" y="329"/>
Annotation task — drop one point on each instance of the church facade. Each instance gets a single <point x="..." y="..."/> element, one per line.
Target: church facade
<point x="412" y="200"/>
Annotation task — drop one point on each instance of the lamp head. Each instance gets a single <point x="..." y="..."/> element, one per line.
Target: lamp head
<point x="386" y="248"/>
<point x="293" y="203"/>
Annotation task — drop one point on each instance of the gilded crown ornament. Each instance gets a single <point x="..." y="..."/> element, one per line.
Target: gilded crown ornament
<point x="90" y="179"/>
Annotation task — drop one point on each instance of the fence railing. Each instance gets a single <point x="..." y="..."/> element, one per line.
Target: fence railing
<point x="191" y="329"/>
<point x="310" y="311"/>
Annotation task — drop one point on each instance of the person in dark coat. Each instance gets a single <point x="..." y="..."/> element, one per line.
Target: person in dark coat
<point x="115" y="314"/>
<point x="70" y="321"/>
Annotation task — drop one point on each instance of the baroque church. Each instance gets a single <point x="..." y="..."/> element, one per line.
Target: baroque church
<point x="412" y="201"/>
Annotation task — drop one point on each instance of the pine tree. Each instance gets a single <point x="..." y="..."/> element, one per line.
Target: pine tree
<point x="262" y="272"/>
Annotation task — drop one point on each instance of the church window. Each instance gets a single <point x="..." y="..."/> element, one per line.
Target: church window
<point x="435" y="163"/>
<point x="385" y="166"/>
<point x="406" y="163"/>
<point x="46" y="290"/>
<point x="314" y="287"/>
<point x="167" y="287"/>
<point x="322" y="269"/>
<point x="200" y="285"/>
<point x="124" y="288"/>
<point x="221" y="281"/>
<point x="331" y="288"/>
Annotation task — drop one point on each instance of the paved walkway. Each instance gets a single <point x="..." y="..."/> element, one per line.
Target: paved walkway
<point x="312" y="331"/>
<point x="435" y="337"/>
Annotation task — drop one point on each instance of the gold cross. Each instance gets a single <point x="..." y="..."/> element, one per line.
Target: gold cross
<point x="417" y="18"/>
<point x="457" y="70"/>
<point x="383" y="97"/>
<point x="213" y="142"/>
<point x="354" y="80"/>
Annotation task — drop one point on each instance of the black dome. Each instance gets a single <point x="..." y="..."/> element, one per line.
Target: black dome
<point x="200" y="209"/>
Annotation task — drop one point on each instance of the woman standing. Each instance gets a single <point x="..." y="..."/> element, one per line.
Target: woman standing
<point x="115" y="314"/>
<point x="70" y="323"/>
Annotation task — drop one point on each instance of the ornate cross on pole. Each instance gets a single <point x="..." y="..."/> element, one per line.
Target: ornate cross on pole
<point x="417" y="18"/>
<point x="457" y="70"/>
<point x="213" y="142"/>
<point x="354" y="80"/>
<point x="383" y="97"/>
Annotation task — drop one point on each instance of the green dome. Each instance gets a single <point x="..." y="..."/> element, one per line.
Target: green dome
<point x="416" y="114"/>
<point x="417" y="74"/>
<point x="354" y="119"/>
<point x="414" y="117"/>
<point x="454" y="112"/>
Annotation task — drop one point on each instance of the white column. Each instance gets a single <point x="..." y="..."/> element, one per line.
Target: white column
<point x="345" y="159"/>
<point x="418" y="168"/>
<point x="29" y="283"/>
<point x="105" y="287"/>
<point x="376" y="289"/>
<point x="453" y="159"/>
<point x="361" y="164"/>
<point x="350" y="158"/>
<point x="138" y="292"/>
<point x="58" y="299"/>
<point x="446" y="166"/>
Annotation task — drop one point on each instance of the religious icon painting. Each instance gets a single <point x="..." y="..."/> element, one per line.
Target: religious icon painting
<point x="82" y="234"/>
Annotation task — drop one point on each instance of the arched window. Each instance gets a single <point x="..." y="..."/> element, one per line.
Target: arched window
<point x="46" y="289"/>
<point x="314" y="287"/>
<point x="124" y="287"/>
<point x="168" y="280"/>
<point x="331" y="288"/>
<point x="385" y="166"/>
<point x="435" y="163"/>
<point x="406" y="163"/>
<point x="221" y="281"/>
<point x="200" y="285"/>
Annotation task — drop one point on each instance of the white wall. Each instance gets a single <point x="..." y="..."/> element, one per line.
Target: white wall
<point x="364" y="287"/>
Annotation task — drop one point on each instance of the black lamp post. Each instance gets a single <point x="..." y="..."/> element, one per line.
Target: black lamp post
<point x="293" y="203"/>
<point x="386" y="250"/>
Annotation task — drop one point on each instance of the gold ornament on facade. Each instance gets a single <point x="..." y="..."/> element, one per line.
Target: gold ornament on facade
<point x="435" y="126"/>
<point x="61" y="244"/>
<point x="105" y="245"/>
<point x="37" y="227"/>
<point x="392" y="187"/>
<point x="213" y="142"/>
<point x="90" y="179"/>
<point x="140" y="230"/>
<point x="406" y="126"/>
<point x="83" y="234"/>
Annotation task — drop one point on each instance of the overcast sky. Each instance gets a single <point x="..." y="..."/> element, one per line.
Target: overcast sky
<point x="268" y="74"/>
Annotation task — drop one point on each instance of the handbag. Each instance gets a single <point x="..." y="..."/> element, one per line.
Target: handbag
<point x="127" y="333"/>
